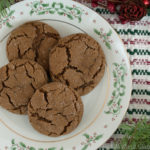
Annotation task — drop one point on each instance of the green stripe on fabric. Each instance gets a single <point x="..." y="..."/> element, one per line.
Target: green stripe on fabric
<point x="102" y="11"/>
<point x="140" y="92"/>
<point x="138" y="111"/>
<point x="133" y="32"/>
<point x="138" y="51"/>
<point x="119" y="131"/>
<point x="140" y="72"/>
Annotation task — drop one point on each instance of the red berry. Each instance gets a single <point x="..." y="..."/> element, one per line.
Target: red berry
<point x="146" y="2"/>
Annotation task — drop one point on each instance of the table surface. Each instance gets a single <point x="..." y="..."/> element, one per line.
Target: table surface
<point x="136" y="37"/>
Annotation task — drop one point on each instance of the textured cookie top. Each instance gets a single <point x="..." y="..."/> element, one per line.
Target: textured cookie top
<point x="77" y="61"/>
<point x="32" y="41"/>
<point x="18" y="82"/>
<point x="55" y="109"/>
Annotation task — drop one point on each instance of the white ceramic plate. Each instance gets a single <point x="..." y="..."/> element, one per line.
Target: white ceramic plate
<point x="104" y="107"/>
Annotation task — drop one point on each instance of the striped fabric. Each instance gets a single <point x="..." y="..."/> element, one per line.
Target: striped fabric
<point x="136" y="37"/>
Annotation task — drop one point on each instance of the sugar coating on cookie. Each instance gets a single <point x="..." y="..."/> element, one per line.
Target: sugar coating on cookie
<point x="55" y="109"/>
<point x="18" y="82"/>
<point x="78" y="61"/>
<point x="32" y="41"/>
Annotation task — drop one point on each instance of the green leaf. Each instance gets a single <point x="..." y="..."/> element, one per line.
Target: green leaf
<point x="22" y="145"/>
<point x="51" y="12"/>
<point x="61" y="5"/>
<point x="86" y="135"/>
<point x="126" y="127"/>
<point x="122" y="94"/>
<point x="41" y="13"/>
<point x="114" y="93"/>
<point x="69" y="16"/>
<point x="8" y="25"/>
<point x="78" y="11"/>
<point x="4" y="6"/>
<point x="85" y="147"/>
<point x="79" y="18"/>
<point x="53" y="5"/>
<point x="122" y="86"/>
<point x="114" y="74"/>
<point x="122" y="78"/>
<point x="3" y="12"/>
<point x="115" y="111"/>
<point x="62" y="148"/>
<point x="105" y="38"/>
<point x="11" y="1"/>
<point x="122" y="68"/>
<point x="108" y="45"/>
<point x="11" y="12"/>
<point x="32" y="148"/>
<point x="109" y="33"/>
<point x="41" y="149"/>
<point x="119" y="101"/>
<point x="115" y="64"/>
<point x="98" y="137"/>
<point x="60" y="13"/>
<point x="70" y="8"/>
<point x="13" y="141"/>
<point x="45" y="5"/>
<point x="35" y="5"/>
<point x="115" y="84"/>
<point x="97" y="32"/>
<point x="107" y="112"/>
<point x="13" y="148"/>
<point x="53" y="148"/>
<point x="31" y="12"/>
<point x="110" y="102"/>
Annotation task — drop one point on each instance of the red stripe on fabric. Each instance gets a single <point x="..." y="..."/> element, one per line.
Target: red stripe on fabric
<point x="148" y="82"/>
<point x="117" y="21"/>
<point x="141" y="81"/>
<point x="139" y="101"/>
<point x="140" y="62"/>
<point x="127" y="120"/>
<point x="135" y="120"/>
<point x="110" y="140"/>
<point x="136" y="41"/>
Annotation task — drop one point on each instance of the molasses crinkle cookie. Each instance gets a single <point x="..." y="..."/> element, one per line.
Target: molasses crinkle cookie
<point x="18" y="82"/>
<point x="32" y="41"/>
<point x="55" y="109"/>
<point x="78" y="61"/>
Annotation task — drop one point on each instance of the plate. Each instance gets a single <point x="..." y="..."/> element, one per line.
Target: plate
<point x="105" y="106"/>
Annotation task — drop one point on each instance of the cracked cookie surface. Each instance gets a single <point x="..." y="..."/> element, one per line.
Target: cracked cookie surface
<point x="18" y="82"/>
<point x="32" y="41"/>
<point x="55" y="109"/>
<point x="78" y="61"/>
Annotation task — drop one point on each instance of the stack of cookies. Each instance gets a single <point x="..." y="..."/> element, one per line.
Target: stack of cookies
<point x="47" y="75"/>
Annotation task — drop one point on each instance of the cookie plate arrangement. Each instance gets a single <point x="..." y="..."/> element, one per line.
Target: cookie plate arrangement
<point x="104" y="99"/>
